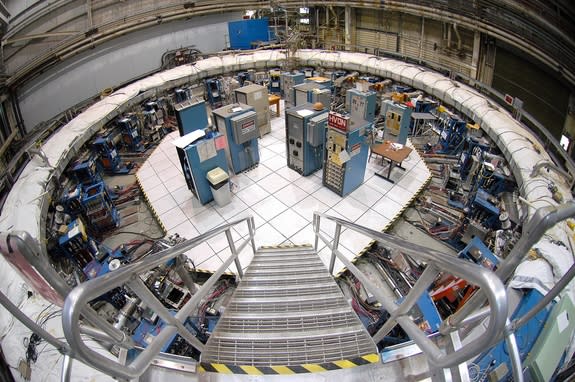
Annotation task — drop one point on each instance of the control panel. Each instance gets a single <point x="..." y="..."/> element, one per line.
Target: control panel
<point x="346" y="150"/>
<point x="305" y="135"/>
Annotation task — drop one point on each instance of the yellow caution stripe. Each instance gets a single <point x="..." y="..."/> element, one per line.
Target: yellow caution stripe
<point x="291" y="369"/>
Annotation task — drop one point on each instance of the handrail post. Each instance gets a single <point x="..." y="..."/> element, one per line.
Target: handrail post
<point x="66" y="368"/>
<point x="252" y="231"/>
<point x="234" y="253"/>
<point x="316" y="226"/>
<point x="335" y="247"/>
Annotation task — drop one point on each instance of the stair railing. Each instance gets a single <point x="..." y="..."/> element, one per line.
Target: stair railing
<point x="437" y="262"/>
<point x="128" y="275"/>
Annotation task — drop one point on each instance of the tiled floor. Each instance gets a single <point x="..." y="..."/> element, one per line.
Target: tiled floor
<point x="281" y="201"/>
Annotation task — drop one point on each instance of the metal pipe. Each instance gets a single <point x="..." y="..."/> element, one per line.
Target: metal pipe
<point x="514" y="355"/>
<point x="66" y="368"/>
<point x="234" y="253"/>
<point x="335" y="245"/>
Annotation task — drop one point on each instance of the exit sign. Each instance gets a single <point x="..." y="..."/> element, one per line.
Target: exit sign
<point x="508" y="99"/>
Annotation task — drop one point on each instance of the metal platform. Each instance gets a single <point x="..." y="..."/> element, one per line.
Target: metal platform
<point x="287" y="316"/>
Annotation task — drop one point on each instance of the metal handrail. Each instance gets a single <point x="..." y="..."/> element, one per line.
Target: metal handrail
<point x="129" y="275"/>
<point x="437" y="262"/>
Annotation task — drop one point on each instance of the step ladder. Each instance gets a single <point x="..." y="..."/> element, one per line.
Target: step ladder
<point x="287" y="316"/>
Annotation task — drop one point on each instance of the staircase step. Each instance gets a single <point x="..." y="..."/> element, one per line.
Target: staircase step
<point x="287" y="351"/>
<point x="284" y="281"/>
<point x="298" y="291"/>
<point x="287" y="311"/>
<point x="283" y="306"/>
<point x="276" y="325"/>
<point x="285" y="272"/>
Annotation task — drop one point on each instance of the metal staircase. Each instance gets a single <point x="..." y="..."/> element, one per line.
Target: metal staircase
<point x="287" y="316"/>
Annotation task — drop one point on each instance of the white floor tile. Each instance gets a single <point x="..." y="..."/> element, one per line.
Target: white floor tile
<point x="145" y="172"/>
<point x="211" y="263"/>
<point x="149" y="186"/>
<point x="157" y="156"/>
<point x="290" y="195"/>
<point x="220" y="242"/>
<point x="182" y="194"/>
<point x="354" y="241"/>
<point x="327" y="226"/>
<point x="242" y="228"/>
<point x="366" y="195"/>
<point x="174" y="183"/>
<point x="309" y="184"/>
<point x="288" y="173"/>
<point x="350" y="208"/>
<point x="273" y="183"/>
<point x="387" y="207"/>
<point x="374" y="220"/>
<point x="327" y="196"/>
<point x="265" y="154"/>
<point x="173" y="218"/>
<point x="192" y="207"/>
<point x="379" y="184"/>
<point x="308" y="206"/>
<point x="280" y="133"/>
<point x="162" y="165"/>
<point x="252" y="194"/>
<point x="268" y="140"/>
<point x="269" y="208"/>
<point x="231" y="209"/>
<point x="400" y="194"/>
<point x="200" y="254"/>
<point x="306" y="236"/>
<point x="279" y="147"/>
<point x="268" y="235"/>
<point x="239" y="182"/>
<point x="207" y="220"/>
<point x="164" y="204"/>
<point x="169" y="173"/>
<point x="261" y="171"/>
<point x="276" y="162"/>
<point x="288" y="223"/>
<point x="185" y="229"/>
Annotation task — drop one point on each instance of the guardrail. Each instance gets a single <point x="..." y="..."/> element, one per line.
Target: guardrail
<point x="437" y="262"/>
<point x="129" y="276"/>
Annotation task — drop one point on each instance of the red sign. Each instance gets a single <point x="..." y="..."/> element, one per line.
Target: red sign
<point x="337" y="121"/>
<point x="508" y="99"/>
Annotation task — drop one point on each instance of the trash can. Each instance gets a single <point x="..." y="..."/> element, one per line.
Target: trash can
<point x="219" y="183"/>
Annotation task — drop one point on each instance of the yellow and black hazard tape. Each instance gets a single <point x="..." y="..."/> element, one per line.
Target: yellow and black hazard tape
<point x="287" y="370"/>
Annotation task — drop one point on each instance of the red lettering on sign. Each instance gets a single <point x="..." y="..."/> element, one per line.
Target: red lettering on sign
<point x="337" y="121"/>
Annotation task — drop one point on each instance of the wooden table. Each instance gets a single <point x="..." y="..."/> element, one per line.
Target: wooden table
<point x="275" y="100"/>
<point x="394" y="156"/>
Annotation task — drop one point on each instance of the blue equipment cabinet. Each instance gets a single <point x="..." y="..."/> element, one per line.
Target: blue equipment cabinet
<point x="275" y="81"/>
<point x="238" y="123"/>
<point x="305" y="138"/>
<point x="191" y="115"/>
<point x="361" y="104"/>
<point x="346" y="150"/>
<point x="131" y="137"/>
<point x="397" y="119"/>
<point x="199" y="154"/>
<point x="287" y="82"/>
<point x="214" y="91"/>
